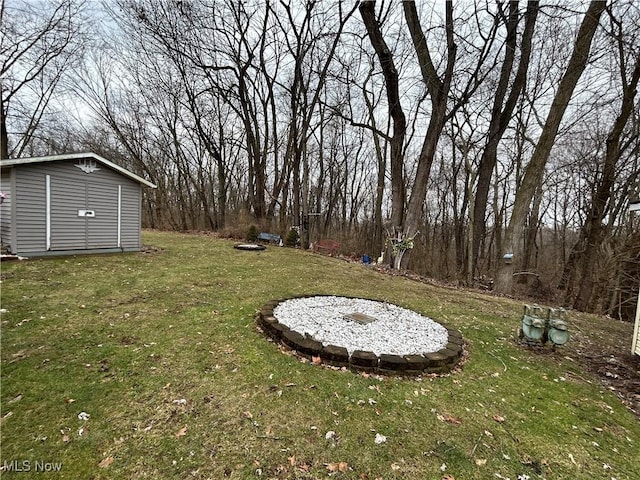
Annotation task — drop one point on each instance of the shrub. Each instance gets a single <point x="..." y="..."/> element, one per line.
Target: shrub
<point x="293" y="239"/>
<point x="252" y="233"/>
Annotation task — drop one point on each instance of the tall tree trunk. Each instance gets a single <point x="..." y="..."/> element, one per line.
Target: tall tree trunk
<point x="500" y="116"/>
<point x="4" y="137"/>
<point x="395" y="111"/>
<point x="438" y="92"/>
<point x="221" y="195"/>
<point x="531" y="233"/>
<point x="381" y="162"/>
<point x="535" y="169"/>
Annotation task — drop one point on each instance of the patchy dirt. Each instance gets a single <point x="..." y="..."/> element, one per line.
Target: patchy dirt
<point x="615" y="366"/>
<point x="616" y="370"/>
<point x="151" y="250"/>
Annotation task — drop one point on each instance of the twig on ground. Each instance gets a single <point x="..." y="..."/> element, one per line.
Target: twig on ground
<point x="501" y="361"/>
<point x="476" y="445"/>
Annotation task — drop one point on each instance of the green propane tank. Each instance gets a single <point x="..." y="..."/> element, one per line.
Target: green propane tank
<point x="533" y="323"/>
<point x="558" y="330"/>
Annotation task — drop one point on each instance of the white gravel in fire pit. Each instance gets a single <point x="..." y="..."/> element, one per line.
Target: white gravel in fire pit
<point x="395" y="330"/>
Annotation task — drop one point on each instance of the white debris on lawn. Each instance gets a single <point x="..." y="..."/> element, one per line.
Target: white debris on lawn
<point x="380" y="439"/>
<point x="396" y="330"/>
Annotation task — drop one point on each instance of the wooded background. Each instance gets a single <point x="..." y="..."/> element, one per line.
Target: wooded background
<point x="465" y="130"/>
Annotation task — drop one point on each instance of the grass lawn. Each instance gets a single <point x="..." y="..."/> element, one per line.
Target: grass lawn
<point x="150" y="366"/>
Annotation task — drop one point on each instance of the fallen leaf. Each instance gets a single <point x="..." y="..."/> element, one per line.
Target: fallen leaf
<point x="395" y="467"/>
<point x="292" y="460"/>
<point x="338" y="467"/>
<point x="448" y="477"/>
<point x="316" y="360"/>
<point x="498" y="418"/>
<point x="65" y="438"/>
<point x="247" y="414"/>
<point x="452" y="420"/>
<point x="106" y="462"/>
<point x="481" y="462"/>
<point x="70" y="400"/>
<point x="182" y="432"/>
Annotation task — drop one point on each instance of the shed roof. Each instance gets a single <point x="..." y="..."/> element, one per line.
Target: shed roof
<point x="73" y="156"/>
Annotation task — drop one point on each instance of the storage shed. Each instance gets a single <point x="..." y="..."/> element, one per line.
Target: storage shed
<point x="69" y="204"/>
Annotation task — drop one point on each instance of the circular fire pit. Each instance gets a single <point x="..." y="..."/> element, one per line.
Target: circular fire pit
<point x="361" y="334"/>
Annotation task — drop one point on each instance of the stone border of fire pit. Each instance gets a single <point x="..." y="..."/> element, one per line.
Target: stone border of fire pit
<point x="442" y="361"/>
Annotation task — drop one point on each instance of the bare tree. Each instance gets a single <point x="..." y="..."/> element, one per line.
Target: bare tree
<point x="594" y="230"/>
<point x="504" y="102"/>
<point x="391" y="76"/>
<point x="39" y="43"/>
<point x="305" y="90"/>
<point x="535" y="169"/>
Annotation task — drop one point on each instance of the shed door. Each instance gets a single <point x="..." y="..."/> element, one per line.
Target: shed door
<point x="82" y="216"/>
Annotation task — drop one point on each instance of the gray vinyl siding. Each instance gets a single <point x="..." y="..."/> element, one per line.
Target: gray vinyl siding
<point x="5" y="208"/>
<point x="30" y="209"/>
<point x="72" y="190"/>
<point x="130" y="216"/>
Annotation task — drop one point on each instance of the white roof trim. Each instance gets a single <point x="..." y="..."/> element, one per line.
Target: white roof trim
<point x="72" y="156"/>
